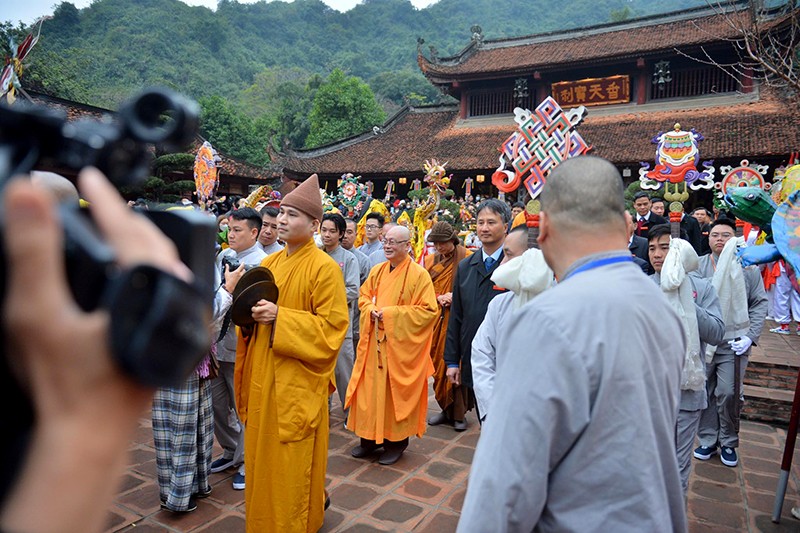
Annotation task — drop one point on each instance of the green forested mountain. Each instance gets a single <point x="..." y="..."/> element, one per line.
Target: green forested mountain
<point x="254" y="55"/>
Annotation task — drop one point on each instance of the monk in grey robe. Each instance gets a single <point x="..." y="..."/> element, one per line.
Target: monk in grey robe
<point x="590" y="384"/>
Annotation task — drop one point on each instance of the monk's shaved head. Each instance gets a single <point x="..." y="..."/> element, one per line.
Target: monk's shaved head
<point x="585" y="194"/>
<point x="60" y="187"/>
<point x="516" y="242"/>
<point x="395" y="245"/>
<point x="398" y="233"/>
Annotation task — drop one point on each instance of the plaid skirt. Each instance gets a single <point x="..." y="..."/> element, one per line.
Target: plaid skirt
<point x="183" y="431"/>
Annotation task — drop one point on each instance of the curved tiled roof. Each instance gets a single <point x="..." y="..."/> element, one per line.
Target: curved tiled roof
<point x="618" y="41"/>
<point x="760" y="128"/>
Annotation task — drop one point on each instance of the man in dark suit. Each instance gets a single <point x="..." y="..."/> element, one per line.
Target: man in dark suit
<point x="692" y="228"/>
<point x="638" y="248"/>
<point x="645" y="219"/>
<point x="473" y="289"/>
<point x="703" y="218"/>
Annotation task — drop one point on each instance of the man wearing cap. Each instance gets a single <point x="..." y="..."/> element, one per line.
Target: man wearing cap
<point x="441" y="267"/>
<point x="283" y="373"/>
<point x="388" y="391"/>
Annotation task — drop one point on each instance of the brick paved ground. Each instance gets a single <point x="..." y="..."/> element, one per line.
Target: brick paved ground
<point x="424" y="491"/>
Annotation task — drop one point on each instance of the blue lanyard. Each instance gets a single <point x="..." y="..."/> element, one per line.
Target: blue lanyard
<point x="597" y="263"/>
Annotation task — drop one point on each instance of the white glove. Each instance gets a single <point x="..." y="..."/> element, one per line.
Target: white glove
<point x="741" y="345"/>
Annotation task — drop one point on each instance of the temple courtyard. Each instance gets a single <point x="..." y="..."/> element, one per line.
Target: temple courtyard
<point x="424" y="491"/>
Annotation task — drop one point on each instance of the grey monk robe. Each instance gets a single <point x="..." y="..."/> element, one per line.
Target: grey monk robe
<point x="589" y="393"/>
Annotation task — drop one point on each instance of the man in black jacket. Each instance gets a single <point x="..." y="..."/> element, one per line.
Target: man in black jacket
<point x="645" y="219"/>
<point x="472" y="291"/>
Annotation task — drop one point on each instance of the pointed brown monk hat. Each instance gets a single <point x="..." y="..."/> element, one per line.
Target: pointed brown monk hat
<point x="306" y="198"/>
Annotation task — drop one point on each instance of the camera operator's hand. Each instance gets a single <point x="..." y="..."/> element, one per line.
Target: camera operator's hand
<point x="232" y="277"/>
<point x="85" y="407"/>
<point x="265" y="312"/>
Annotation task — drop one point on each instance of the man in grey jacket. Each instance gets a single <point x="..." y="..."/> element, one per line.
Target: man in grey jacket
<point x="244" y="226"/>
<point x="710" y="330"/>
<point x="332" y="231"/>
<point x="590" y="385"/>
<point x="719" y="422"/>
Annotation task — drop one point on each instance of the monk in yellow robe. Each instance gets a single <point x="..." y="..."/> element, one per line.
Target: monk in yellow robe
<point x="442" y="267"/>
<point x="283" y="369"/>
<point x="388" y="391"/>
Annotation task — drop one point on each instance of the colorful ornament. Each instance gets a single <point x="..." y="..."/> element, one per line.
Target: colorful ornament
<point x="14" y="67"/>
<point x="677" y="155"/>
<point x="744" y="175"/>
<point x="351" y="193"/>
<point x="437" y="179"/>
<point x="206" y="172"/>
<point x="544" y="138"/>
<point x="468" y="186"/>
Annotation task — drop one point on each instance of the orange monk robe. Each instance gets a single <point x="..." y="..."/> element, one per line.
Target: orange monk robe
<point x="442" y="277"/>
<point x="518" y="220"/>
<point x="282" y="392"/>
<point x="388" y="391"/>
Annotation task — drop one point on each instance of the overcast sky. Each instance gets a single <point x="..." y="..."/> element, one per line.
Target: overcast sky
<point x="29" y="10"/>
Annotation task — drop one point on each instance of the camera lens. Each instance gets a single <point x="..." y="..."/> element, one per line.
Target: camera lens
<point x="161" y="116"/>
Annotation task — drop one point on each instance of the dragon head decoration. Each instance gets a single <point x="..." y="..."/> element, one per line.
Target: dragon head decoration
<point x="436" y="176"/>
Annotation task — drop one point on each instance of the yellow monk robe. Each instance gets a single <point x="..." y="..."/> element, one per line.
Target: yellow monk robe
<point x="388" y="391"/>
<point x="282" y="393"/>
<point x="442" y="273"/>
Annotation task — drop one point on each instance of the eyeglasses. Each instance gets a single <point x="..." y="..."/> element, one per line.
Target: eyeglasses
<point x="371" y="226"/>
<point x="393" y="243"/>
<point x="720" y="235"/>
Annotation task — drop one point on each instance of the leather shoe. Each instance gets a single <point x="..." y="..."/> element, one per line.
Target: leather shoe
<point x="327" y="500"/>
<point x="438" y="420"/>
<point x="367" y="447"/>
<point x="394" y="450"/>
<point x="460" y="425"/>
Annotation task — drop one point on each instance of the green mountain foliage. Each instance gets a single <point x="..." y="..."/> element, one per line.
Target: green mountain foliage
<point x="262" y="64"/>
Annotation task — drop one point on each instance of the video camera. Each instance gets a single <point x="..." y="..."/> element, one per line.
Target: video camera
<point x="159" y="324"/>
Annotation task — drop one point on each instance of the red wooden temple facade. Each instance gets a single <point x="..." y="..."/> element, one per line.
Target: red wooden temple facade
<point x="637" y="78"/>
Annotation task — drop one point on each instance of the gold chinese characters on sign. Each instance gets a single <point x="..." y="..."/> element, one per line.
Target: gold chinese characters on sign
<point x="593" y="91"/>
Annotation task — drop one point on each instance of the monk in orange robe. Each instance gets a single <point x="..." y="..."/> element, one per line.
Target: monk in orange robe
<point x="388" y="391"/>
<point x="283" y="369"/>
<point x="442" y="267"/>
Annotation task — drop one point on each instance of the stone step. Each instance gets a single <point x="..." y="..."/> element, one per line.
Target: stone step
<point x="763" y="393"/>
<point x="772" y="406"/>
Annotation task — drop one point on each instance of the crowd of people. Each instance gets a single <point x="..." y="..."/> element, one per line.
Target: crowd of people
<point x="602" y="353"/>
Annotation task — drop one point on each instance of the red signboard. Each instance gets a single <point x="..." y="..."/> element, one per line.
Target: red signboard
<point x="593" y="91"/>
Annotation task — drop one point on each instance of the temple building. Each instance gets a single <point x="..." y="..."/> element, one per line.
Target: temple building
<point x="636" y="78"/>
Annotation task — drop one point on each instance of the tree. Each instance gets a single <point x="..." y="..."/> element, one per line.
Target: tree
<point x="343" y="106"/>
<point x="621" y="15"/>
<point x="402" y="86"/>
<point x="231" y="131"/>
<point x="766" y="36"/>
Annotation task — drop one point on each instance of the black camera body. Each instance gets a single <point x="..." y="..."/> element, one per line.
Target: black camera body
<point x="159" y="324"/>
